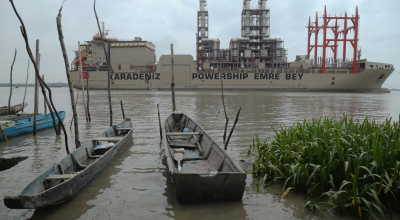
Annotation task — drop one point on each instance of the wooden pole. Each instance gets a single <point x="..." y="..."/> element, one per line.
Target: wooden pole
<point x="87" y="89"/>
<point x="234" y="124"/>
<point x="108" y="62"/>
<point x="122" y="108"/>
<point x="26" y="85"/>
<point x="45" y="108"/>
<point x="36" y="102"/>
<point x="223" y="103"/>
<point x="173" y="78"/>
<point x="159" y="121"/>
<point x="4" y="134"/>
<point x="76" y="103"/>
<point x="83" y="86"/>
<point x="71" y="91"/>
<point x="9" y="99"/>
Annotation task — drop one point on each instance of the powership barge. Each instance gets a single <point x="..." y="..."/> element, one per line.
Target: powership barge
<point x="254" y="61"/>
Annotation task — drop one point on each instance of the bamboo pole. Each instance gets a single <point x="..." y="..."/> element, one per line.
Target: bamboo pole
<point x="9" y="99"/>
<point x="234" y="124"/>
<point x="45" y="108"/>
<point x="223" y="103"/>
<point x="82" y="85"/>
<point x="36" y="102"/>
<point x="26" y="85"/>
<point x="4" y="134"/>
<point x="76" y="103"/>
<point x="108" y="63"/>
<point x="159" y="121"/>
<point x="71" y="91"/>
<point x="87" y="89"/>
<point x="43" y="85"/>
<point x="122" y="108"/>
<point x="173" y="78"/>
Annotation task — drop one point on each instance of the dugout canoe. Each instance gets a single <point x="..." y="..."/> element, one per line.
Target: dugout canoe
<point x="72" y="174"/>
<point x="208" y="173"/>
<point x="24" y="123"/>
<point x="14" y="109"/>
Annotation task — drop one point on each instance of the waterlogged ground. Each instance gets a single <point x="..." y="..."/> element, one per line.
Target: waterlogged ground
<point x="135" y="185"/>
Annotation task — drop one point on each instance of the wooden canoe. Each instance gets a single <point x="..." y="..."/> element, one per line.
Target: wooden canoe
<point x="208" y="173"/>
<point x="72" y="174"/>
<point x="25" y="123"/>
<point x="14" y="109"/>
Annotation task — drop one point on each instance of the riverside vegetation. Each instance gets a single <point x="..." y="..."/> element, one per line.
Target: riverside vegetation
<point x="344" y="164"/>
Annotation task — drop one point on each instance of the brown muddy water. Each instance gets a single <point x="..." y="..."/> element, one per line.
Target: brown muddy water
<point x="136" y="185"/>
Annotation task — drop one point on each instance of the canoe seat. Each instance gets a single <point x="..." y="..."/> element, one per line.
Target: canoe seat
<point x="90" y="156"/>
<point x="59" y="177"/>
<point x="110" y="139"/>
<point x="123" y="129"/>
<point x="182" y="133"/>
<point x="182" y="144"/>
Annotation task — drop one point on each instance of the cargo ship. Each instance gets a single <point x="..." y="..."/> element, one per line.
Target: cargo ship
<point x="254" y="61"/>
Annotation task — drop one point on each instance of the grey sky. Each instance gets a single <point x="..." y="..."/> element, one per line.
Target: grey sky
<point x="174" y="21"/>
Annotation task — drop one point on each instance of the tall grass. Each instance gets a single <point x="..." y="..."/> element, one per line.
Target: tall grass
<point x="353" y="165"/>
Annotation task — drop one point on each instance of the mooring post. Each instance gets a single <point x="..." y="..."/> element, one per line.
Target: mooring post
<point x="234" y="124"/>
<point x="36" y="102"/>
<point x="4" y="134"/>
<point x="159" y="121"/>
<point x="122" y="108"/>
<point x="173" y="78"/>
<point x="226" y="116"/>
<point x="45" y="108"/>
<point x="26" y="85"/>
<point x="82" y="85"/>
<point x="9" y="99"/>
<point x="87" y="89"/>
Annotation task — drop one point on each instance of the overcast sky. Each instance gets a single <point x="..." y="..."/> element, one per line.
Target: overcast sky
<point x="174" y="21"/>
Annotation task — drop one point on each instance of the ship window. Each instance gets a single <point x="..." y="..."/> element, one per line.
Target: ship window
<point x="372" y="66"/>
<point x="386" y="66"/>
<point x="119" y="66"/>
<point x="381" y="76"/>
<point x="333" y="78"/>
<point x="112" y="82"/>
<point x="333" y="83"/>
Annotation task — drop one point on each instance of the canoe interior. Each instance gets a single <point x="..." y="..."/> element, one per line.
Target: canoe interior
<point x="69" y="166"/>
<point x="213" y="157"/>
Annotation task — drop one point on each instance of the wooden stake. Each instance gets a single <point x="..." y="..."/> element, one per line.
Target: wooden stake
<point x="9" y="99"/>
<point x="26" y="85"/>
<point x="108" y="63"/>
<point x="122" y="108"/>
<point x="234" y="124"/>
<point x="4" y="134"/>
<point x="82" y="85"/>
<point x="87" y="89"/>
<point x="76" y="103"/>
<point x="159" y="121"/>
<point x="45" y="108"/>
<point x="173" y="78"/>
<point x="71" y="91"/>
<point x="223" y="103"/>
<point x="36" y="102"/>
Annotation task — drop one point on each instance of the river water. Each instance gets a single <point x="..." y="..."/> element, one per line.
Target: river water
<point x="136" y="185"/>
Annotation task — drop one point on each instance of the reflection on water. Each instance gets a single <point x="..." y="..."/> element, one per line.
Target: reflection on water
<point x="136" y="183"/>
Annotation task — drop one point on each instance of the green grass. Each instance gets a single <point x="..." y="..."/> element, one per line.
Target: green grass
<point x="352" y="165"/>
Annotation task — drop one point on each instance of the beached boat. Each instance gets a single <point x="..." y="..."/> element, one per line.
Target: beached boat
<point x="207" y="173"/>
<point x="14" y="109"/>
<point x="15" y="125"/>
<point x="76" y="171"/>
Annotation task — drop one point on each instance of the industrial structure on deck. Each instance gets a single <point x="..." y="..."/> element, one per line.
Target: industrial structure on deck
<point x="253" y="61"/>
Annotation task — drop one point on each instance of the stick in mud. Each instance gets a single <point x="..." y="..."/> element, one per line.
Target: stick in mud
<point x="159" y="121"/>
<point x="234" y="124"/>
<point x="108" y="62"/>
<point x="87" y="89"/>
<point x="82" y="85"/>
<point x="26" y="85"/>
<point x="4" y="134"/>
<point x="122" y="108"/>
<point x="173" y="78"/>
<point x="9" y="99"/>
<point x="71" y="91"/>
<point x="45" y="108"/>
<point x="43" y="85"/>
<point x="226" y="116"/>
<point x="36" y="98"/>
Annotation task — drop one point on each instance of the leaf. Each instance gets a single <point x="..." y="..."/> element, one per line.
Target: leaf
<point x="287" y="191"/>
